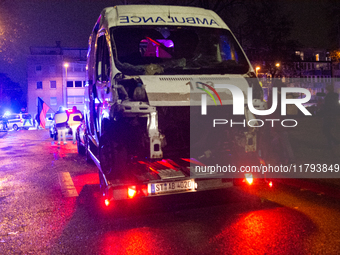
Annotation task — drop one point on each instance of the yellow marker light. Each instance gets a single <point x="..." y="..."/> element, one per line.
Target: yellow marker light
<point x="249" y="178"/>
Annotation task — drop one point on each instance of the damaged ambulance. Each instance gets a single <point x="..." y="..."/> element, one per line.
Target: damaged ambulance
<point x="147" y="69"/>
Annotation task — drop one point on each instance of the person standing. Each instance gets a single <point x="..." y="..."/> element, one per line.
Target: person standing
<point x="74" y="124"/>
<point x="61" y="119"/>
<point x="331" y="110"/>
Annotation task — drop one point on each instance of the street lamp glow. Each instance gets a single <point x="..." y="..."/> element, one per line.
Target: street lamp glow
<point x="66" y="65"/>
<point x="257" y="69"/>
<point x="277" y="64"/>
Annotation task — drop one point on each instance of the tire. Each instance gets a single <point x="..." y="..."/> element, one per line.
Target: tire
<point x="87" y="146"/>
<point x="113" y="158"/>
<point x="15" y="127"/>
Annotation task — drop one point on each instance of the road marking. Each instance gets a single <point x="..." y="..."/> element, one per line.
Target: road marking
<point x="66" y="185"/>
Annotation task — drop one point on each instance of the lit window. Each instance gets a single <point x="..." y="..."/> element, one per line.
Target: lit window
<point x="69" y="84"/>
<point x="53" y="84"/>
<point x="53" y="101"/>
<point x="317" y="57"/>
<point x="39" y="85"/>
<point x="79" y="100"/>
<point x="75" y="100"/>
<point x="70" y="100"/>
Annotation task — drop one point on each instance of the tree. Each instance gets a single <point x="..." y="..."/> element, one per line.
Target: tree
<point x="334" y="29"/>
<point x="10" y="94"/>
<point x="11" y="32"/>
<point x="266" y="32"/>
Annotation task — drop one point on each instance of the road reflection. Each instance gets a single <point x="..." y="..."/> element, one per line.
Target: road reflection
<point x="235" y="228"/>
<point x="270" y="231"/>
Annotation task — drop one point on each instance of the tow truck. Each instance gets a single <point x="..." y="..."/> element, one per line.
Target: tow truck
<point x="143" y="127"/>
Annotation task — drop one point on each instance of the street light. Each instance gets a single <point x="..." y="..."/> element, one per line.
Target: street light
<point x="277" y="64"/>
<point x="257" y="69"/>
<point x="66" y="65"/>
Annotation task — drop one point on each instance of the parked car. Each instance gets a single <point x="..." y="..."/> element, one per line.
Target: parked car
<point x="18" y="121"/>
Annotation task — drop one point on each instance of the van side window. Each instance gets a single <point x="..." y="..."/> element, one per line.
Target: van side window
<point x="102" y="60"/>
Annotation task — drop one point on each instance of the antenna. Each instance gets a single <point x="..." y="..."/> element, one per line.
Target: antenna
<point x="169" y="13"/>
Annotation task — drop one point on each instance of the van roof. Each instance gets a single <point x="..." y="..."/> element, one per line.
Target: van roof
<point x="167" y="15"/>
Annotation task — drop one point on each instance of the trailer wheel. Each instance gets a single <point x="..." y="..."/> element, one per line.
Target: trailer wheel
<point x="80" y="148"/>
<point x="87" y="146"/>
<point x="113" y="157"/>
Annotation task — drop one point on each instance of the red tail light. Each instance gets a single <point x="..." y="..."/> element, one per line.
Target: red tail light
<point x="132" y="191"/>
<point x="107" y="202"/>
<point x="270" y="184"/>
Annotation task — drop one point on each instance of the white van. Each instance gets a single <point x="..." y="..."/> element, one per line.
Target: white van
<point x="18" y="121"/>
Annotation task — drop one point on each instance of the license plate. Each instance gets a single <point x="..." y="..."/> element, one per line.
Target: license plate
<point x="169" y="187"/>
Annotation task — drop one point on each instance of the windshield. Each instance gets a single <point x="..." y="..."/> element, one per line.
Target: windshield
<point x="164" y="50"/>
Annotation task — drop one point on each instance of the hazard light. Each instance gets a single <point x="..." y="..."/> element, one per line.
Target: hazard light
<point x="249" y="178"/>
<point x="270" y="184"/>
<point x="132" y="191"/>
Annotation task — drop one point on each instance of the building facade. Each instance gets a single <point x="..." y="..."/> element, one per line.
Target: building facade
<point x="57" y="76"/>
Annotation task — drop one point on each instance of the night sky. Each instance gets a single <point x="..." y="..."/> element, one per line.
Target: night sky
<point x="42" y="23"/>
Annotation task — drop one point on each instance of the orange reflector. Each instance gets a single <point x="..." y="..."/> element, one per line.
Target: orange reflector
<point x="270" y="184"/>
<point x="131" y="191"/>
<point x="249" y="178"/>
<point x="107" y="202"/>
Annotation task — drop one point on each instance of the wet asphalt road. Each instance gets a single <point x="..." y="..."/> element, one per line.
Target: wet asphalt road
<point x="293" y="217"/>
